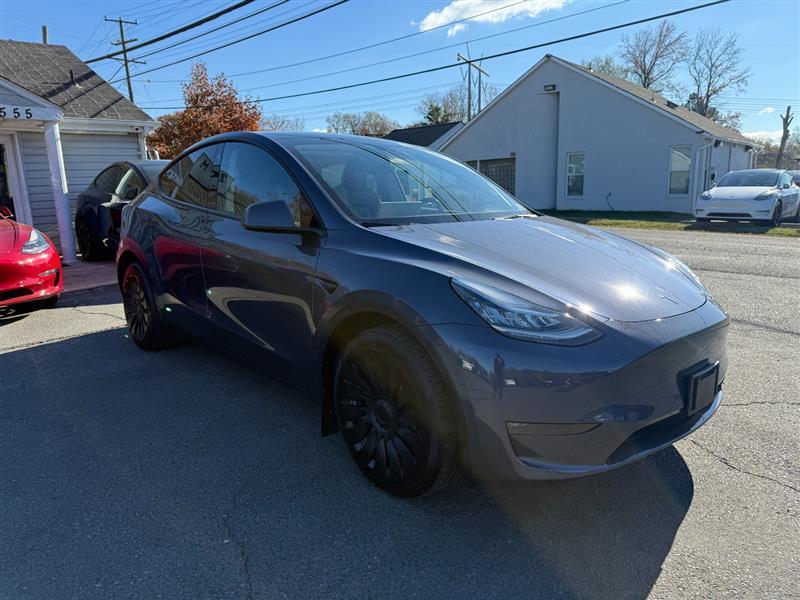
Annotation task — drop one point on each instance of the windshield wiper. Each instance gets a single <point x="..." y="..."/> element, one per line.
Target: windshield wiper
<point x="518" y="216"/>
<point x="380" y="224"/>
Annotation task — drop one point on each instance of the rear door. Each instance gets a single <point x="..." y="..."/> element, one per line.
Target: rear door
<point x="259" y="284"/>
<point x="188" y="187"/>
<point x="789" y="194"/>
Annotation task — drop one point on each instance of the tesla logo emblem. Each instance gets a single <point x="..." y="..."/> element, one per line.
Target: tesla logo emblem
<point x="668" y="298"/>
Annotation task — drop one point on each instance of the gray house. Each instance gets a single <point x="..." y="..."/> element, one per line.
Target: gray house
<point x="563" y="136"/>
<point x="60" y="124"/>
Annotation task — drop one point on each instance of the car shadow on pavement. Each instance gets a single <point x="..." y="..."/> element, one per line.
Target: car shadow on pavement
<point x="181" y="474"/>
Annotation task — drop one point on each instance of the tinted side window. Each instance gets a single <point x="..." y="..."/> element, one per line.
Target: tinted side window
<point x="130" y="185"/>
<point x="193" y="178"/>
<point x="249" y="174"/>
<point x="108" y="180"/>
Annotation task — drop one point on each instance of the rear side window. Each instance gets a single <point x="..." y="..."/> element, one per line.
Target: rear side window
<point x="193" y="178"/>
<point x="108" y="180"/>
<point x="249" y="174"/>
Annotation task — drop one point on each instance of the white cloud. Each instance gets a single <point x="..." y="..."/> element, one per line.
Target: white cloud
<point x="772" y="136"/>
<point x="462" y="9"/>
<point x="452" y="31"/>
<point x="766" y="111"/>
<point x="319" y="130"/>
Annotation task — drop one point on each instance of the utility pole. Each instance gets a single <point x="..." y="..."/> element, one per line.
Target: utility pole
<point x="123" y="43"/>
<point x="471" y="65"/>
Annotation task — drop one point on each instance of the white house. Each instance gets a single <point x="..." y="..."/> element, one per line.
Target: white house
<point x="565" y="137"/>
<point x="60" y="124"/>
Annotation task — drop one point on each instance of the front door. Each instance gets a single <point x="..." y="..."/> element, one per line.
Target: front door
<point x="11" y="181"/>
<point x="259" y="284"/>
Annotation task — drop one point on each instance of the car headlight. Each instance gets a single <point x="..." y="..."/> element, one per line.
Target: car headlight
<point x="766" y="195"/>
<point x="518" y="318"/>
<point x="36" y="243"/>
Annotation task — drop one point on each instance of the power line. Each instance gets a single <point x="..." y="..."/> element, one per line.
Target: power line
<point x="489" y="57"/>
<point x="415" y="54"/>
<point x="223" y="26"/>
<point x="169" y="34"/>
<point x="248" y="37"/>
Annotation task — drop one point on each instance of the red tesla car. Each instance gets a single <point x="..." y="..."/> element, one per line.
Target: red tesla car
<point x="30" y="269"/>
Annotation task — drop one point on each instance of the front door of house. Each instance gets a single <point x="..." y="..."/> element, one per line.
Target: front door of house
<point x="10" y="191"/>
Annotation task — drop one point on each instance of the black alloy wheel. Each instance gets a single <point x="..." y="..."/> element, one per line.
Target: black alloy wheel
<point x="392" y="411"/>
<point x="145" y="323"/>
<point x="84" y="238"/>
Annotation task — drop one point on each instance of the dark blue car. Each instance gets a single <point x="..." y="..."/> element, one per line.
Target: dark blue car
<point x="442" y="325"/>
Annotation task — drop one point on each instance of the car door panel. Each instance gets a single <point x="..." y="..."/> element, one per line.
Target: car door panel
<point x="186" y="188"/>
<point x="259" y="284"/>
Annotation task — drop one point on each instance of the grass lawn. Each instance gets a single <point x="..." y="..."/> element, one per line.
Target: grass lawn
<point x="663" y="220"/>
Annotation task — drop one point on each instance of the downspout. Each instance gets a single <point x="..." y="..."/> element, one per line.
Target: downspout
<point x="696" y="193"/>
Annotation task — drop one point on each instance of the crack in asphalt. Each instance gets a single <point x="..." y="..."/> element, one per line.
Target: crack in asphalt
<point x="98" y="313"/>
<point x="753" y="326"/>
<point x="243" y="552"/>
<point x="730" y="465"/>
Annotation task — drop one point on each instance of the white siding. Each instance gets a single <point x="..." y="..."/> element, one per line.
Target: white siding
<point x="85" y="155"/>
<point x="626" y="143"/>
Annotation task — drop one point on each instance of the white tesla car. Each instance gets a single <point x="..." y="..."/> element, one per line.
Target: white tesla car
<point x="765" y="195"/>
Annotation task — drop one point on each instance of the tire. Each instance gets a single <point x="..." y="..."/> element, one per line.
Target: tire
<point x="90" y="248"/>
<point x="393" y="412"/>
<point x="145" y="322"/>
<point x="797" y="214"/>
<point x="776" y="215"/>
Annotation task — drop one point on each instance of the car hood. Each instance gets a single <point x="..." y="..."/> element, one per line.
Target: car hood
<point x="10" y="231"/>
<point x="580" y="266"/>
<point x="738" y="193"/>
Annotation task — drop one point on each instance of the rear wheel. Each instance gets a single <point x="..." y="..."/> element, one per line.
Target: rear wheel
<point x="392" y="409"/>
<point x="90" y="248"/>
<point x="145" y="323"/>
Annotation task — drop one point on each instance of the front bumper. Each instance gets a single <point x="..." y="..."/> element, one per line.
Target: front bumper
<point x="34" y="277"/>
<point x="735" y="210"/>
<point x="590" y="408"/>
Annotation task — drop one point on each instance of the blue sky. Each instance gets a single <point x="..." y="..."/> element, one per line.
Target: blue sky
<point x="769" y="32"/>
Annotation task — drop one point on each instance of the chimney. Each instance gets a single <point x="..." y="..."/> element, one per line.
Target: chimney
<point x="44" y="34"/>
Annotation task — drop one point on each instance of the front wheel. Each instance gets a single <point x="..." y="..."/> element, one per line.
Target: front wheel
<point x="393" y="411"/>
<point x="145" y="323"/>
<point x="776" y="216"/>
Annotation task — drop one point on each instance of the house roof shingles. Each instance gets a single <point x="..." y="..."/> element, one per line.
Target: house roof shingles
<point x="44" y="70"/>
<point x="681" y="112"/>
<point x="420" y="135"/>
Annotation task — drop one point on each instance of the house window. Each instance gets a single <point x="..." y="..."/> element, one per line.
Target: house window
<point x="575" y="164"/>
<point x="680" y="160"/>
<point x="503" y="171"/>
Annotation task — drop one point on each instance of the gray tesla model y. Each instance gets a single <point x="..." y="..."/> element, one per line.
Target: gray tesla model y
<point x="441" y="324"/>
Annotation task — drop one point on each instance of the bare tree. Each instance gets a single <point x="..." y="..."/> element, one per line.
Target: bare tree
<point x="281" y="123"/>
<point x="451" y="105"/>
<point x="607" y="64"/>
<point x="715" y="68"/>
<point x="369" y="123"/>
<point x="787" y="121"/>
<point x="652" y="56"/>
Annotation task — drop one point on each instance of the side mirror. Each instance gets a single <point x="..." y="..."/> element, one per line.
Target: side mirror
<point x="131" y="194"/>
<point x="6" y="212"/>
<point x="273" y="217"/>
<point x="786" y="186"/>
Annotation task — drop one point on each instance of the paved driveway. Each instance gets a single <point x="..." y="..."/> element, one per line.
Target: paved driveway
<point x="180" y="474"/>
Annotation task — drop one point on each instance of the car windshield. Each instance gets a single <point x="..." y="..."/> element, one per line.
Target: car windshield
<point x="397" y="184"/>
<point x="749" y="178"/>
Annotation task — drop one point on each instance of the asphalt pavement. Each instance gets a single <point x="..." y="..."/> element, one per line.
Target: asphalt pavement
<point x="181" y="474"/>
